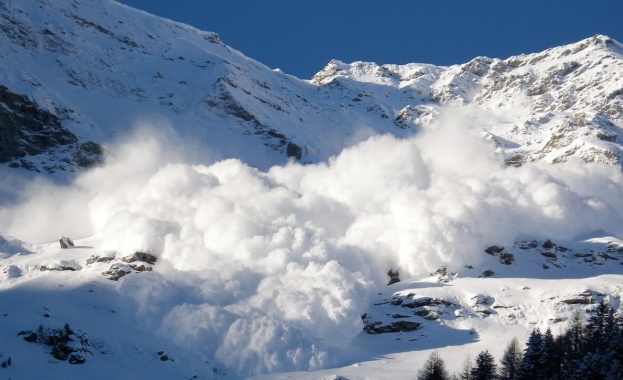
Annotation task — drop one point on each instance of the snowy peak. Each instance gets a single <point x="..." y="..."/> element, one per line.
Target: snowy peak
<point x="66" y="56"/>
<point x="563" y="102"/>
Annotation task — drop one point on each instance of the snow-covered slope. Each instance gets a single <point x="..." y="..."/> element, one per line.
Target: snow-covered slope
<point x="549" y="106"/>
<point x="99" y="68"/>
<point x="202" y="252"/>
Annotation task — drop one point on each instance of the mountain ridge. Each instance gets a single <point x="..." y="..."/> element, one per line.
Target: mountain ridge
<point x="144" y="66"/>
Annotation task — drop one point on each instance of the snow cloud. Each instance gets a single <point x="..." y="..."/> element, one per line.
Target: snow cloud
<point x="271" y="271"/>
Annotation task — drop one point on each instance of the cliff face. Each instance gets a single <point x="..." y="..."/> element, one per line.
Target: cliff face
<point x="28" y="130"/>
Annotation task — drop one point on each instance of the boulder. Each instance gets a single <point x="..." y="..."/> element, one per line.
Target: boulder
<point x="65" y="242"/>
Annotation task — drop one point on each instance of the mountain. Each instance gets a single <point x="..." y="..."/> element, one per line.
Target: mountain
<point x="86" y="73"/>
<point x="231" y="221"/>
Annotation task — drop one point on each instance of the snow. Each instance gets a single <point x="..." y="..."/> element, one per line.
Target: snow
<point x="265" y="267"/>
<point x="271" y="271"/>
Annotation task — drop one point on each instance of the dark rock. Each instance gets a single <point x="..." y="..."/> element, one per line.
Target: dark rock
<point x="61" y="352"/>
<point x="99" y="259"/>
<point x="31" y="337"/>
<point x="399" y="326"/>
<point x="550" y="255"/>
<point x="548" y="244"/>
<point x="141" y="268"/>
<point x="419" y="302"/>
<point x="58" y="339"/>
<point x="531" y="245"/>
<point x="117" y="271"/>
<point x="141" y="256"/>
<point x="493" y="249"/>
<point x="583" y="255"/>
<point x="398" y="316"/>
<point x="428" y="314"/>
<point x="293" y="150"/>
<point x="488" y="273"/>
<point x="28" y="129"/>
<point x="397" y="301"/>
<point x="76" y="358"/>
<point x="394" y="277"/>
<point x="88" y="154"/>
<point x="65" y="242"/>
<point x="579" y="301"/>
<point x="507" y="258"/>
<point x="163" y="357"/>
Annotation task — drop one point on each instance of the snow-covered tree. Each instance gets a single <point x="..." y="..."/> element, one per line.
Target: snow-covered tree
<point x="530" y="369"/>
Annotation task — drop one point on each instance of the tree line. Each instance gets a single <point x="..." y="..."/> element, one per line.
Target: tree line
<point x="590" y="350"/>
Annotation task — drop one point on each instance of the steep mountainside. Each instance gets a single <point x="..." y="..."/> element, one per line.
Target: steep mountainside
<point x="99" y="68"/>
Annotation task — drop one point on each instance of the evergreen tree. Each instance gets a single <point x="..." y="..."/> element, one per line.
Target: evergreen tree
<point x="576" y="332"/>
<point x="530" y="369"/>
<point x="614" y="371"/>
<point x="485" y="368"/>
<point x="597" y="325"/>
<point x="548" y="362"/>
<point x="510" y="360"/>
<point x="434" y="368"/>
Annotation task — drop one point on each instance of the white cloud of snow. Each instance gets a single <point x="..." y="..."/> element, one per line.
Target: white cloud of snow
<point x="271" y="271"/>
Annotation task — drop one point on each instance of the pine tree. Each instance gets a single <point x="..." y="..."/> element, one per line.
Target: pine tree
<point x="511" y="360"/>
<point x="548" y="362"/>
<point x="529" y="369"/>
<point x="577" y="332"/>
<point x="434" y="368"/>
<point x="485" y="368"/>
<point x="614" y="371"/>
<point x="597" y="325"/>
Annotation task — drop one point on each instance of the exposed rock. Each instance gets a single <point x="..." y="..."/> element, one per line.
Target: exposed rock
<point x="418" y="302"/>
<point x="65" y="242"/>
<point x="507" y="258"/>
<point x="428" y="313"/>
<point x="99" y="259"/>
<point x="65" y="344"/>
<point x="117" y="271"/>
<point x="584" y="298"/>
<point x="528" y="245"/>
<point x="488" y="273"/>
<point x="579" y="301"/>
<point x="550" y="255"/>
<point x="163" y="357"/>
<point x="141" y="256"/>
<point x="26" y="129"/>
<point x="398" y="326"/>
<point x="61" y="265"/>
<point x="394" y="277"/>
<point x="548" y="244"/>
<point x="293" y="150"/>
<point x="493" y="249"/>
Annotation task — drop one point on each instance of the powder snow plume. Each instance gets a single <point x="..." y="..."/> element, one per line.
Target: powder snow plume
<point x="271" y="271"/>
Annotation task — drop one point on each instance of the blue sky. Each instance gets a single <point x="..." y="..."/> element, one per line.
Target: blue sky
<point x="301" y="36"/>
